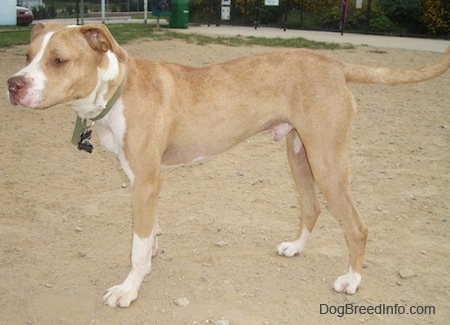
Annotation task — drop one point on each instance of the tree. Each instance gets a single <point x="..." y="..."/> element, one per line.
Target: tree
<point x="436" y="17"/>
<point x="404" y="13"/>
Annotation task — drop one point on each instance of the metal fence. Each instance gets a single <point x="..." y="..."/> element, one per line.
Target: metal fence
<point x="426" y="17"/>
<point x="324" y="15"/>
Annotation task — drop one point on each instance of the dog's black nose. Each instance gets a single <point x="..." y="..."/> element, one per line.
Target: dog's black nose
<point x="15" y="84"/>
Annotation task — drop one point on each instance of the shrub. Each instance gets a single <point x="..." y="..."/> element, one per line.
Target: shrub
<point x="379" y="23"/>
<point x="41" y="12"/>
<point x="404" y="13"/>
<point x="436" y="18"/>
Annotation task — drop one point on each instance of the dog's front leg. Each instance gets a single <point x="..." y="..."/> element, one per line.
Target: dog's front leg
<point x="146" y="191"/>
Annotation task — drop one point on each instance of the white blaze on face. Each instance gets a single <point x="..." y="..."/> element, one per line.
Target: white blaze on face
<point x="35" y="77"/>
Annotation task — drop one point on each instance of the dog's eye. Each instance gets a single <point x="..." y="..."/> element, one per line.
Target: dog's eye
<point x="59" y="61"/>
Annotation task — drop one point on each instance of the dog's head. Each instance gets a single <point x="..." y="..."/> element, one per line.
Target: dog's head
<point x="67" y="64"/>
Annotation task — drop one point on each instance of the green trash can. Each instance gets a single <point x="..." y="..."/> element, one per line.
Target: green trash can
<point x="179" y="17"/>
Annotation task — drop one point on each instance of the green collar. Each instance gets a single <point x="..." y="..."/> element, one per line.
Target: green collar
<point x="80" y="124"/>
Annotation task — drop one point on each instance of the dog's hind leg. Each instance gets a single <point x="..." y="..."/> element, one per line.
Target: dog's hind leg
<point x="336" y="188"/>
<point x="309" y="204"/>
<point x="327" y="147"/>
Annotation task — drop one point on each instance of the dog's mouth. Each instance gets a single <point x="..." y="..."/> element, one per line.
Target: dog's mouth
<point x="18" y="91"/>
<point x="18" y="100"/>
<point x="13" y="100"/>
<point x="22" y="97"/>
<point x="22" y="101"/>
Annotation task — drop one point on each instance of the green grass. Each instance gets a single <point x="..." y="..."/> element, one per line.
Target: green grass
<point x="123" y="33"/>
<point x="14" y="35"/>
<point x="378" y="52"/>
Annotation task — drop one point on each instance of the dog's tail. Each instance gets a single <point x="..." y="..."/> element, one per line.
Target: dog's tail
<point x="392" y="76"/>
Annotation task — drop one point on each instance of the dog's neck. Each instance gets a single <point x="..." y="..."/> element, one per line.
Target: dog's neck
<point x="81" y="122"/>
<point x="106" y="92"/>
<point x="111" y="102"/>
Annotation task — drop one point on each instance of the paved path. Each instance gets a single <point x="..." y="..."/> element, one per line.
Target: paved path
<point x="410" y="43"/>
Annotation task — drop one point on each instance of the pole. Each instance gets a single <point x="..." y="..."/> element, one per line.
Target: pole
<point x="145" y="11"/>
<point x="285" y="13"/>
<point x="257" y="11"/>
<point x="82" y="12"/>
<point x="368" y="18"/>
<point x="77" y="7"/>
<point x="343" y="16"/>
<point x="103" y="11"/>
<point x="301" y="15"/>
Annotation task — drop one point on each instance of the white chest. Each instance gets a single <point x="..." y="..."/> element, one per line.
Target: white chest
<point x="111" y="130"/>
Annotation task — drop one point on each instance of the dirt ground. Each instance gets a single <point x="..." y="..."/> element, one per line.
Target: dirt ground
<point x="65" y="227"/>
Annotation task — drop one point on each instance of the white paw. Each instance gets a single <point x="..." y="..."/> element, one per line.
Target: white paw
<point x="119" y="296"/>
<point x="348" y="283"/>
<point x="292" y="248"/>
<point x="289" y="249"/>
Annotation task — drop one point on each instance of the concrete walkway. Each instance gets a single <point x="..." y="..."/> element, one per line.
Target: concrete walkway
<point x="409" y="43"/>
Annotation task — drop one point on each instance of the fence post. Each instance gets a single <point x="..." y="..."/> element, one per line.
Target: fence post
<point x="343" y="16"/>
<point x="368" y="18"/>
<point x="257" y="14"/>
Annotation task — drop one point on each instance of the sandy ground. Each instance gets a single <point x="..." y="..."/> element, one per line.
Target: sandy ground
<point x="65" y="227"/>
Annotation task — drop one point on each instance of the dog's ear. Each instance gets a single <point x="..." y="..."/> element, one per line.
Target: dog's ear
<point x="100" y="39"/>
<point x="40" y="27"/>
<point x="37" y="29"/>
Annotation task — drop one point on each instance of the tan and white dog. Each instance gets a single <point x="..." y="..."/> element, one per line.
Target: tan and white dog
<point x="165" y="114"/>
